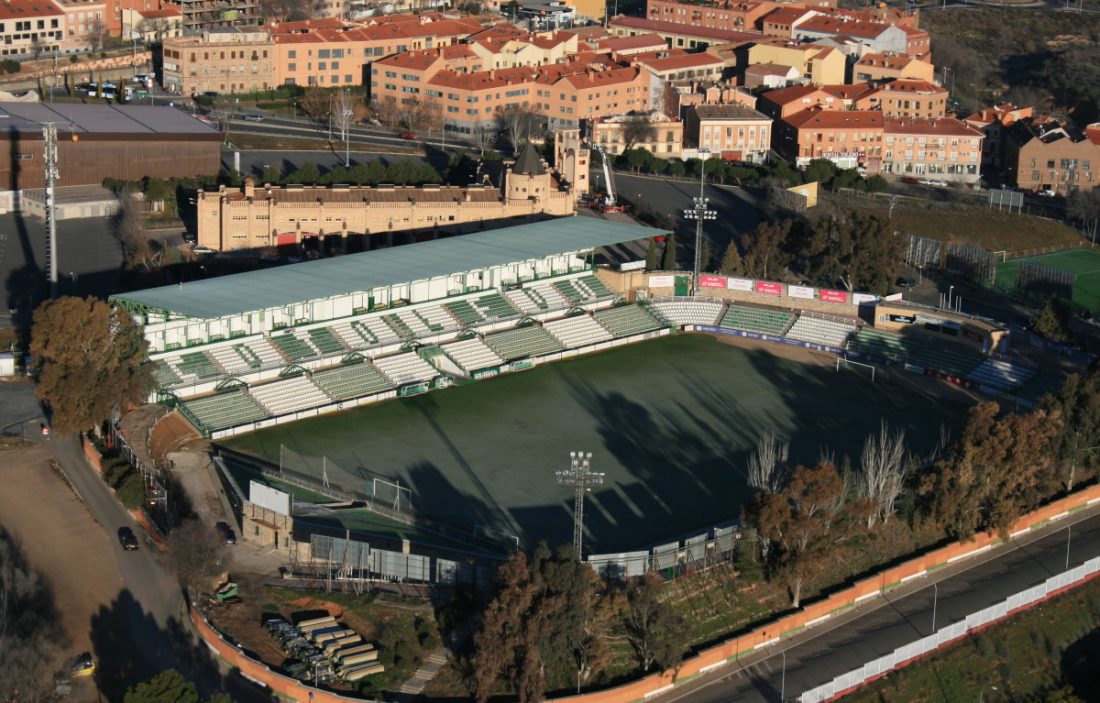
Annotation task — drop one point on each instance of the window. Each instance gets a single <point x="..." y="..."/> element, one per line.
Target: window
<point x="347" y="78"/>
<point x="323" y="53"/>
<point x="292" y="54"/>
<point x="292" y="67"/>
<point x="322" y="65"/>
<point x="337" y="53"/>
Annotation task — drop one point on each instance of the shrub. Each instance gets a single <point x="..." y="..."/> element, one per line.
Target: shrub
<point x="10" y="66"/>
<point x="131" y="492"/>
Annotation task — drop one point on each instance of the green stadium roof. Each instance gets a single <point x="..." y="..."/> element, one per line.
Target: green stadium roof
<point x="326" y="278"/>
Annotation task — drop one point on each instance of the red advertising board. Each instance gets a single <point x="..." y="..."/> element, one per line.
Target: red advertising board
<point x="712" y="281"/>
<point x="769" y="288"/>
<point x="284" y="239"/>
<point x="833" y="296"/>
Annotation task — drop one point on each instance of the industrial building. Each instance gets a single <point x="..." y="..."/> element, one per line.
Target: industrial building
<point x="104" y="141"/>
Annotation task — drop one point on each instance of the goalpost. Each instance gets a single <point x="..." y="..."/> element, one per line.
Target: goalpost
<point x="849" y="364"/>
<point x="392" y="492"/>
<point x="1001" y="256"/>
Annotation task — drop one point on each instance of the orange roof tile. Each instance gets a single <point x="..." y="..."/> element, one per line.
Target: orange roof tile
<point x="817" y="118"/>
<point x="944" y="127"/>
<point x="638" y="41"/>
<point x="21" y="9"/>
<point x="676" y="63"/>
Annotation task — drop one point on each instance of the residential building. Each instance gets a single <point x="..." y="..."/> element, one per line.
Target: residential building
<point x="770" y="76"/>
<point x="723" y="14"/>
<point x="85" y="24"/>
<point x="679" y="66"/>
<point x="891" y="66"/>
<point x="594" y="10"/>
<point x="572" y="158"/>
<point x="632" y="44"/>
<point x="994" y="123"/>
<point x="734" y="132"/>
<point x="258" y="216"/>
<point x="116" y="12"/>
<point x="905" y="98"/>
<point x="819" y="65"/>
<point x="152" y="26"/>
<point x="666" y="138"/>
<point x="331" y="53"/>
<point x="1043" y="154"/>
<point x="679" y="36"/>
<point x="202" y="15"/>
<point x="877" y="36"/>
<point x="30" y="28"/>
<point x="850" y="139"/>
<point x="221" y="61"/>
<point x="946" y="149"/>
<point x="678" y="96"/>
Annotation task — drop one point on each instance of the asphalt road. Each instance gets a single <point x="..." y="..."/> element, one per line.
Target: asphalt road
<point x="880" y="626"/>
<point x="254" y="161"/>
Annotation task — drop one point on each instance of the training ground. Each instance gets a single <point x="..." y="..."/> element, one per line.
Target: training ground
<point x="669" y="421"/>
<point x="1083" y="262"/>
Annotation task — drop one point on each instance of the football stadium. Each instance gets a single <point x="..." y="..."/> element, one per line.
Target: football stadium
<point x="450" y="380"/>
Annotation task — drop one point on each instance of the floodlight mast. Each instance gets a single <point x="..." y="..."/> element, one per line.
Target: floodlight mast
<point x="699" y="213"/>
<point x="582" y="478"/>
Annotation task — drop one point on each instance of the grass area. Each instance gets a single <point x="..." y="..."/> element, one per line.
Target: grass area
<point x="974" y="226"/>
<point x="1083" y="262"/>
<point x="1050" y="647"/>
<point x="669" y="422"/>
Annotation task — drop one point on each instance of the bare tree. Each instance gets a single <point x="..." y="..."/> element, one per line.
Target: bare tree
<point x="316" y="103"/>
<point x="520" y="124"/>
<point x="482" y="135"/>
<point x="767" y="466"/>
<point x="129" y="230"/>
<point x="637" y="129"/>
<point x="196" y="555"/>
<point x="883" y="466"/>
<point x="343" y="116"/>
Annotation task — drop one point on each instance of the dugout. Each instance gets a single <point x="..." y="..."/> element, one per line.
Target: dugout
<point x="985" y="336"/>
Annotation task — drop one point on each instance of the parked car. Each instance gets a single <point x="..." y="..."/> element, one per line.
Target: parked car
<point x="226" y="532"/>
<point x="937" y="182"/>
<point x="905" y="282"/>
<point x="253" y="118"/>
<point x="910" y="180"/>
<point x="202" y="250"/>
<point x="1047" y="194"/>
<point x="408" y="135"/>
<point x="127" y="539"/>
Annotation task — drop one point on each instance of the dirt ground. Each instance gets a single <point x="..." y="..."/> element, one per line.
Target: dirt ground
<point x="61" y="541"/>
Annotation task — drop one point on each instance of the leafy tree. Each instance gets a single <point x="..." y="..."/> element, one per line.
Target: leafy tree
<point x="656" y="633"/>
<point x="714" y="167"/>
<point x="131" y="490"/>
<point x="1078" y="402"/>
<point x="765" y="249"/>
<point x="637" y="129"/>
<point x="28" y="629"/>
<point x="651" y="255"/>
<point x="731" y="262"/>
<point x="307" y="174"/>
<point x="638" y="159"/>
<point x="797" y="523"/>
<point x="676" y="168"/>
<point x="1053" y="321"/>
<point x="821" y="170"/>
<point x="668" y="259"/>
<point x="195" y="551"/>
<point x="855" y="250"/>
<point x="168" y="685"/>
<point x="877" y="184"/>
<point x="1002" y="466"/>
<point x="271" y="174"/>
<point x="89" y="361"/>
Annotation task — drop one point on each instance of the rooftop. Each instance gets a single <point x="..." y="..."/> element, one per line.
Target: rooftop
<point x="677" y="63"/>
<point x="944" y="126"/>
<point x="728" y="112"/>
<point x="76" y="118"/>
<point x="663" y="27"/>
<point x="22" y="9"/>
<point x="326" y="278"/>
<point x="816" y="118"/>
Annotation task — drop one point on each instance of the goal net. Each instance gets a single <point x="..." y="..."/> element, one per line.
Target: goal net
<point x="867" y="371"/>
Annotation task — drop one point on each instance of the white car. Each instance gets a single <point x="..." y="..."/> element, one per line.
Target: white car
<point x="1047" y="194"/>
<point x="202" y="250"/>
<point x="938" y="182"/>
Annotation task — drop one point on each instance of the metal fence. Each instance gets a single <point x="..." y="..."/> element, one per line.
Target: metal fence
<point x="697" y="552"/>
<point x="918" y="648"/>
<point x="342" y="562"/>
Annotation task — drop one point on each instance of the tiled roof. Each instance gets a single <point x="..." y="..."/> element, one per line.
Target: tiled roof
<point x="768" y="69"/>
<point x="157" y="14"/>
<point x="786" y="15"/>
<point x="834" y="25"/>
<point x="785" y="96"/>
<point x="944" y="127"/>
<point x="728" y="112"/>
<point x="908" y="85"/>
<point x="663" y="27"/>
<point x="638" y="41"/>
<point x="817" y="118"/>
<point x="20" y="9"/>
<point x="887" y="60"/>
<point x="676" y="63"/>
<point x="414" y="60"/>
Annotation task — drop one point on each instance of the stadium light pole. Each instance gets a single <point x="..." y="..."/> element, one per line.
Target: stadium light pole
<point x="582" y="478"/>
<point x="699" y="213"/>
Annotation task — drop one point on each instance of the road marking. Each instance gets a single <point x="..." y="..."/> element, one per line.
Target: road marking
<point x="659" y="691"/>
<point x="766" y="644"/>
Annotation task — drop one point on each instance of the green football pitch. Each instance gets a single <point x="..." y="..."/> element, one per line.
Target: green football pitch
<point x="668" y="421"/>
<point x="1083" y="262"/>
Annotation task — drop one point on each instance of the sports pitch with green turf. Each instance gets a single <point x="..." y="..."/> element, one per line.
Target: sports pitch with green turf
<point x="669" y="421"/>
<point x="1083" y="262"/>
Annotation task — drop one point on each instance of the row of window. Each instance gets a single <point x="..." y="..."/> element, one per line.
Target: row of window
<point x="25" y="25"/>
<point x="1069" y="164"/>
<point x="340" y="53"/>
<point x="1066" y="176"/>
<point x="233" y="54"/>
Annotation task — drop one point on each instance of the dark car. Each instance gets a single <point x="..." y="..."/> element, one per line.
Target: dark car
<point x="906" y="282"/>
<point x="127" y="539"/>
<point x="226" y="532"/>
<point x="910" y="180"/>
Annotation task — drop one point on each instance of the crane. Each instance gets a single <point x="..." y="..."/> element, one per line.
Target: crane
<point x="608" y="203"/>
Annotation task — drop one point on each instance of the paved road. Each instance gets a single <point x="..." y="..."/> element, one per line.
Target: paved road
<point x="254" y="161"/>
<point x="820" y="654"/>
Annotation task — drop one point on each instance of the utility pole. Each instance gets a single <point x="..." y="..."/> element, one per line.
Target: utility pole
<point x="49" y="136"/>
<point x="582" y="478"/>
<point x="699" y="213"/>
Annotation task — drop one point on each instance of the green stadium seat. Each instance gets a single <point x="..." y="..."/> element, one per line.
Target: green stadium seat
<point x="522" y="342"/>
<point x="217" y="412"/>
<point x="399" y="327"/>
<point x="879" y="343"/>
<point x="495" y="306"/>
<point x="627" y="320"/>
<point x="198" y="364"/>
<point x="774" y="322"/>
<point x="947" y="358"/>
<point x="354" y="381"/>
<point x="571" y="294"/>
<point x="325" y="341"/>
<point x="593" y="287"/>
<point x="292" y="347"/>
<point x="464" y="313"/>
<point x="164" y="375"/>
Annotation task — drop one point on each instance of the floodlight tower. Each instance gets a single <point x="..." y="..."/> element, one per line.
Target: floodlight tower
<point x="699" y="213"/>
<point x="582" y="478"/>
<point x="49" y="136"/>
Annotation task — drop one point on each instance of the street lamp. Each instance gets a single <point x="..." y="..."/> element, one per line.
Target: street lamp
<point x="699" y="213"/>
<point x="345" y="122"/>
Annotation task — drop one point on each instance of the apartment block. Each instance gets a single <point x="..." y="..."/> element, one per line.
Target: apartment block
<point x="891" y="66"/>
<point x="995" y="123"/>
<point x="849" y="139"/>
<point x="225" y="61"/>
<point x="729" y="16"/>
<point x="820" y="65"/>
<point x="85" y="24"/>
<point x="679" y="36"/>
<point x="1044" y="154"/>
<point x="876" y="36"/>
<point x="946" y="149"/>
<point x="666" y="138"/>
<point x="734" y="132"/>
<point x="30" y="27"/>
<point x="200" y="15"/>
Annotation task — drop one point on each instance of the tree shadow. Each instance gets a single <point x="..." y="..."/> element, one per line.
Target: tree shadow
<point x="1079" y="666"/>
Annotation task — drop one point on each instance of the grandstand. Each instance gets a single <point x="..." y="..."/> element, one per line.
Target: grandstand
<point x="1000" y="374"/>
<point x="689" y="312"/>
<point x="577" y="331"/>
<point x="627" y="321"/>
<point x="522" y="343"/>
<point x="472" y="355"/>
<point x="763" y="321"/>
<point x="352" y="381"/>
<point x="830" y="332"/>
<point x="405" y="369"/>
